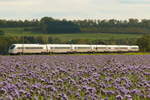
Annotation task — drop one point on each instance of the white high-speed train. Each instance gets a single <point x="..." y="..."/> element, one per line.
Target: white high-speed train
<point x="68" y="48"/>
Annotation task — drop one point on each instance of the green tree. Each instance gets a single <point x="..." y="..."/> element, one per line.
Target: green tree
<point x="144" y="43"/>
<point x="98" y="41"/>
<point x="2" y="32"/>
<point x="50" y="25"/>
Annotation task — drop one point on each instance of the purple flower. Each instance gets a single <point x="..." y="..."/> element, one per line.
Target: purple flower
<point x="129" y="97"/>
<point x="64" y="97"/>
<point x="36" y="86"/>
<point x="83" y="76"/>
<point x="135" y="91"/>
<point x="9" y="97"/>
<point x="119" y="97"/>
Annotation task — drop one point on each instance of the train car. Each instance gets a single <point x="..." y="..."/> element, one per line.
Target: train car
<point x="59" y="48"/>
<point x="118" y="48"/>
<point x="133" y="48"/>
<point x="82" y="48"/>
<point x="68" y="48"/>
<point x="114" y="48"/>
<point x="102" y="48"/>
<point x="27" y="48"/>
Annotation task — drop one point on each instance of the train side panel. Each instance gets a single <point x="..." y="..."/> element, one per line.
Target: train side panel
<point x="28" y="48"/>
<point x="82" y="48"/>
<point x="67" y="48"/>
<point x="59" y="48"/>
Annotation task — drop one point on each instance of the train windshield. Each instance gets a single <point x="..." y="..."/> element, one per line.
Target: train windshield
<point x="12" y="47"/>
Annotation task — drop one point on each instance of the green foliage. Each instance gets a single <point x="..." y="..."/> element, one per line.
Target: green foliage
<point x="51" y="25"/>
<point x="144" y="43"/>
<point x="2" y="32"/>
<point x="5" y="42"/>
<point x="114" y="26"/>
<point x="98" y="41"/>
<point x="19" y="31"/>
<point x="78" y="41"/>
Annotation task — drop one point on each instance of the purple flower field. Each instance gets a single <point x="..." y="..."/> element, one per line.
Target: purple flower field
<point x="82" y="77"/>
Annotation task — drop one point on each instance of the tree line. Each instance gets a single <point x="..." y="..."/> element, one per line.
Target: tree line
<point x="51" y="25"/>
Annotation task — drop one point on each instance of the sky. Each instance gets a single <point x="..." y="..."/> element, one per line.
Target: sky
<point x="75" y="9"/>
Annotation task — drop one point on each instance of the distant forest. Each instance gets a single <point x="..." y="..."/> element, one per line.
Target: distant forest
<point x="51" y="25"/>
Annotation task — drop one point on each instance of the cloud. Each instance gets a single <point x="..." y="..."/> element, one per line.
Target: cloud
<point x="135" y="1"/>
<point x="73" y="9"/>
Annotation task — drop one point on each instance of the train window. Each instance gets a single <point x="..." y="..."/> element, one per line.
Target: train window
<point x="116" y="48"/>
<point x="123" y="48"/>
<point x="29" y="48"/>
<point x="12" y="46"/>
<point x="101" y="47"/>
<point x="20" y="48"/>
<point x="134" y="48"/>
<point x="51" y="47"/>
<point x="120" y="48"/>
<point x="33" y="47"/>
<point x="82" y="48"/>
<point x="61" y="48"/>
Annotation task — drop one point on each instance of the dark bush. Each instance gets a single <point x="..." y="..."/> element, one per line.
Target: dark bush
<point x="2" y="32"/>
<point x="144" y="43"/>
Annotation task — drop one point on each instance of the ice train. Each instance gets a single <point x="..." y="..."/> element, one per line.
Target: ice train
<point x="68" y="48"/>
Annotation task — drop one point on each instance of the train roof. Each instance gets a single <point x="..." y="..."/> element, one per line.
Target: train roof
<point x="84" y="45"/>
<point x="28" y="44"/>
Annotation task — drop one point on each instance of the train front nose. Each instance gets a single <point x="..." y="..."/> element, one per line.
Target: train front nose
<point x="12" y="49"/>
<point x="9" y="51"/>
